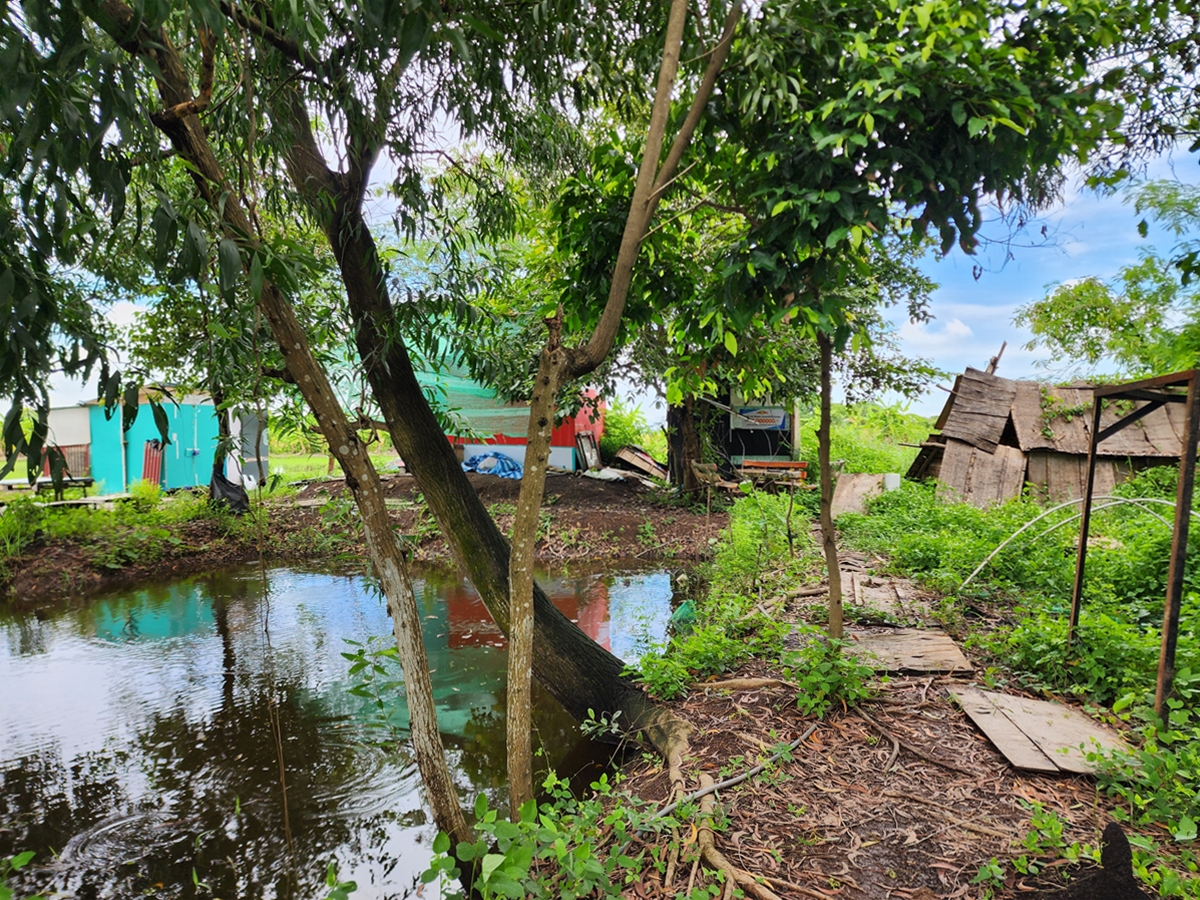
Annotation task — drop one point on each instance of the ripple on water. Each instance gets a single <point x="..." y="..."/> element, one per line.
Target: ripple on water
<point x="382" y="779"/>
<point x="125" y="838"/>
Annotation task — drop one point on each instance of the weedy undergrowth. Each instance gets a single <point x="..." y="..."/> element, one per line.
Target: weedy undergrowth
<point x="754" y="565"/>
<point x="554" y="850"/>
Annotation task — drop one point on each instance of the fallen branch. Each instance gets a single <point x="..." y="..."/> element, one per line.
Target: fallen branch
<point x="741" y="684"/>
<point x="915" y="751"/>
<point x="811" y="591"/>
<point x="950" y="813"/>
<point x="792" y="886"/>
<point x="736" y="779"/>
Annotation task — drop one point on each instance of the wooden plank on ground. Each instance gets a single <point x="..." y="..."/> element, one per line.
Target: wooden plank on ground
<point x="909" y="650"/>
<point x="852" y="492"/>
<point x="1059" y="731"/>
<point x="1010" y="740"/>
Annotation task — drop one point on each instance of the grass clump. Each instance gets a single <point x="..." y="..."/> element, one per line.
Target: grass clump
<point x="754" y="565"/>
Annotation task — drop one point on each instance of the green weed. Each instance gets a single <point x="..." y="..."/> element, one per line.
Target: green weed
<point x="732" y="625"/>
<point x="554" y="850"/>
<point x="825" y="675"/>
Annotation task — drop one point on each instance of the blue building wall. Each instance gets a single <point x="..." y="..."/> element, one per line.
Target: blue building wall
<point x="187" y="460"/>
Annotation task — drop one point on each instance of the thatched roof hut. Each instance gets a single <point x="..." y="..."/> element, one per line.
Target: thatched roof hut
<point x="997" y="434"/>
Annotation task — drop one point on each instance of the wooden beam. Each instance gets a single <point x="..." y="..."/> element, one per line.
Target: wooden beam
<point x="1172" y="380"/>
<point x="1116" y="426"/>
<point x="1179" y="542"/>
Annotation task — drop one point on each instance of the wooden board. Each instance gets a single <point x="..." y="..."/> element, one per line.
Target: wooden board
<point x="1010" y="740"/>
<point x="981" y="408"/>
<point x="895" y="599"/>
<point x="911" y="650"/>
<point x="853" y="491"/>
<point x="589" y="453"/>
<point x="979" y="478"/>
<point x="1062" y="736"/>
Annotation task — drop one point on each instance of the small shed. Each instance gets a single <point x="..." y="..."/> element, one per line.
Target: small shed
<point x="995" y="435"/>
<point x="482" y="422"/>
<point x="95" y="446"/>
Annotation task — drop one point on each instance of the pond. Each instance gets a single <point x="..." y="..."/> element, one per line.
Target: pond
<point x="199" y="738"/>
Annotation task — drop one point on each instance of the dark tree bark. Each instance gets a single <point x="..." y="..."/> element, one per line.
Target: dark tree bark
<point x="683" y="444"/>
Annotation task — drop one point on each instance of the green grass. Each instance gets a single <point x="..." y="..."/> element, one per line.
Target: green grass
<point x="865" y="438"/>
<point x="303" y="466"/>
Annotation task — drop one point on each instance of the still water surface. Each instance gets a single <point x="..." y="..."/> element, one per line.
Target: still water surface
<point x="143" y="735"/>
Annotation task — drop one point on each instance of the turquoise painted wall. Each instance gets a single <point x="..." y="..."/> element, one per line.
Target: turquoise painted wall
<point x="187" y="460"/>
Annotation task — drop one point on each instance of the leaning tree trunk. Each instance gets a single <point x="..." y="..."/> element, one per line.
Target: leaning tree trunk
<point x="577" y="671"/>
<point x="182" y="126"/>
<point x="828" y="534"/>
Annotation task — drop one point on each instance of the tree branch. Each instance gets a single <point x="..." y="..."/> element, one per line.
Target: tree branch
<point x="285" y="45"/>
<point x="651" y="180"/>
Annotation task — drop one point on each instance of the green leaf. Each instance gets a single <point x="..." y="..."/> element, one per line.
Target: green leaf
<point x="480" y="806"/>
<point x="491" y="862"/>
<point x="731" y="343"/>
<point x="464" y="851"/>
<point x="230" y="261"/>
<point x="483" y="28"/>
<point x="976" y="125"/>
<point x="1185" y="830"/>
<point x="1143" y="228"/>
<point x="441" y="843"/>
<point x="161" y="422"/>
<point x="21" y="860"/>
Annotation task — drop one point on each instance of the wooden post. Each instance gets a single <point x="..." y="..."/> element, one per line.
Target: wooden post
<point x="1085" y="521"/>
<point x="1183" y="509"/>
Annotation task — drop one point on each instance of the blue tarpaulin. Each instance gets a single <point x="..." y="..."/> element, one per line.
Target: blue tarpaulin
<point x="494" y="464"/>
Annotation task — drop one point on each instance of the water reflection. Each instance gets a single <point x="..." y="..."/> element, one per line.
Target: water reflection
<point x="157" y="732"/>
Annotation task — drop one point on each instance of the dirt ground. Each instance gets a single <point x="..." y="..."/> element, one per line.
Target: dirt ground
<point x="584" y="521"/>
<point x="899" y="797"/>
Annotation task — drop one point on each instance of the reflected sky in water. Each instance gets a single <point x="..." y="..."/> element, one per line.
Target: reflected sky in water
<point x="141" y="733"/>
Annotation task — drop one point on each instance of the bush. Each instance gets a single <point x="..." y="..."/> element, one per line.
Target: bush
<point x="622" y="425"/>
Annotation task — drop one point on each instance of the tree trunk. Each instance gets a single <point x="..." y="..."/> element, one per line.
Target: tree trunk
<point x="577" y="671"/>
<point x="520" y="572"/>
<point x="187" y="136"/>
<point x="683" y="444"/>
<point x="828" y="534"/>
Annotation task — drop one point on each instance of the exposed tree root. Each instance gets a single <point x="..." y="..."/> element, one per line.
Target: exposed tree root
<point x="741" y="684"/>
<point x="733" y="875"/>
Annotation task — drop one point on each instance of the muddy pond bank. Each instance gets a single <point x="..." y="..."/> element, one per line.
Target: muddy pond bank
<point x="584" y="522"/>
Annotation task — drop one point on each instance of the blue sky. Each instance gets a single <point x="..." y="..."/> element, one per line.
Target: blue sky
<point x="1087" y="234"/>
